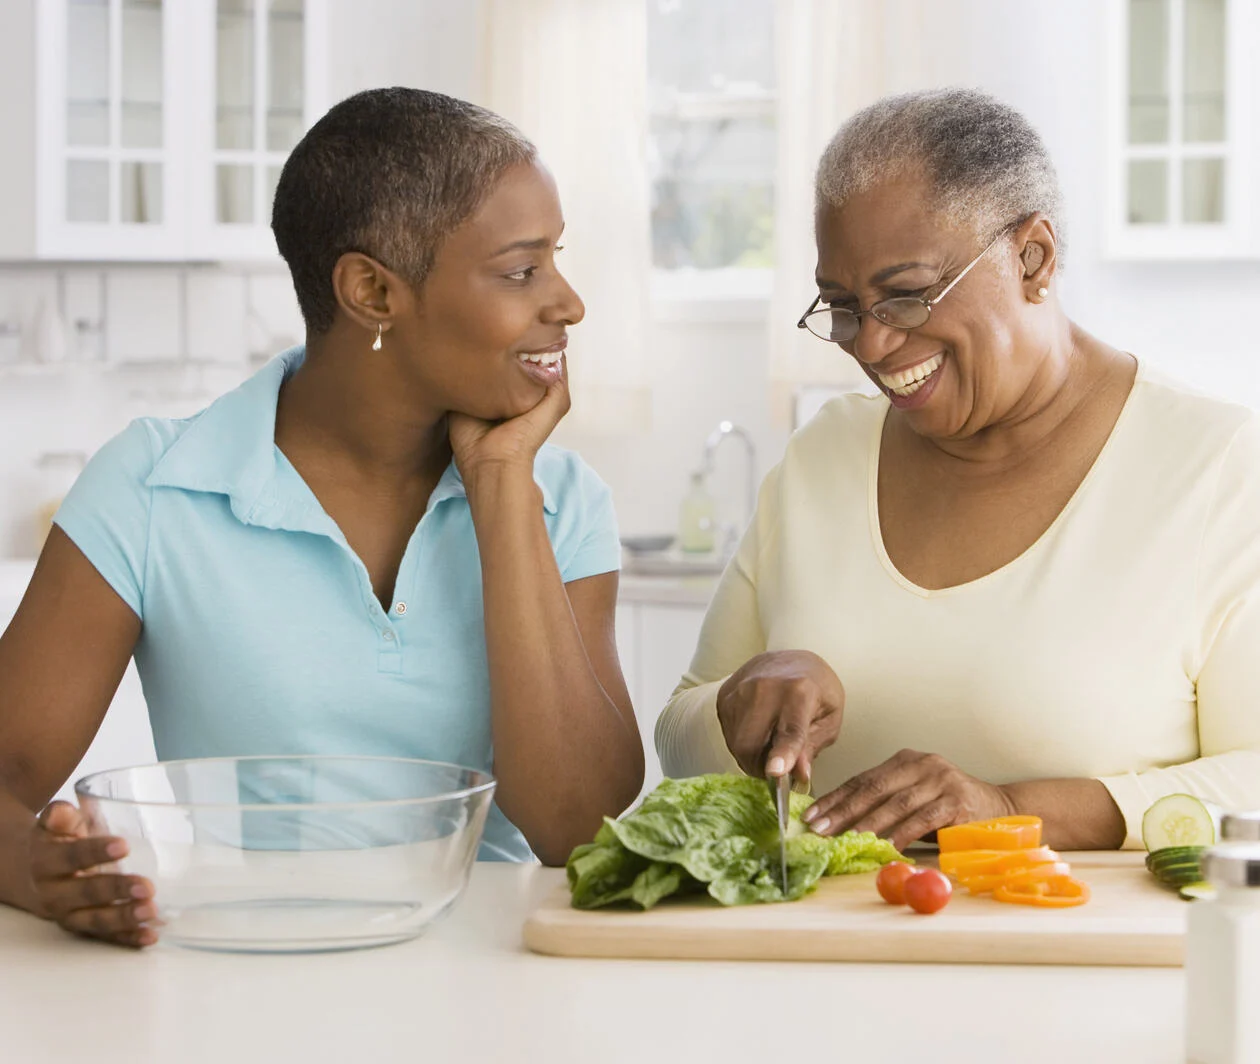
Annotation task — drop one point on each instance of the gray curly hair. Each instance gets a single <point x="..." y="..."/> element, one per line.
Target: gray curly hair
<point x="986" y="165"/>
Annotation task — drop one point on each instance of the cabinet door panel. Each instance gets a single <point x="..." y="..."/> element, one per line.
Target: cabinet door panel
<point x="110" y="164"/>
<point x="667" y="640"/>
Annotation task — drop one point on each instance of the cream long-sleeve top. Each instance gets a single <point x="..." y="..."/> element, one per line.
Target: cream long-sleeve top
<point x="1123" y="645"/>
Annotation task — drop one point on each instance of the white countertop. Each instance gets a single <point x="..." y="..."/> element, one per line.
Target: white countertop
<point x="694" y="591"/>
<point x="468" y="992"/>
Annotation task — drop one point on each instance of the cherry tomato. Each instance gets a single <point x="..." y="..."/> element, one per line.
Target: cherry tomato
<point x="891" y="882"/>
<point x="928" y="891"/>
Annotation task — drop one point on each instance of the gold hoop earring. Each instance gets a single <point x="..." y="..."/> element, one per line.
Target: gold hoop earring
<point x="376" y="344"/>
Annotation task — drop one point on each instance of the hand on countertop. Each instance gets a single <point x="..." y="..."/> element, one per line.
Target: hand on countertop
<point x="66" y="862"/>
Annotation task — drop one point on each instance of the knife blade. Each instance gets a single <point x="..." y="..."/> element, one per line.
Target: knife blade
<point x="780" y="792"/>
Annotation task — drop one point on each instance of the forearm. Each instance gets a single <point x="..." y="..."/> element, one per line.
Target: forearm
<point x="565" y="755"/>
<point x="1076" y="814"/>
<point x="689" y="739"/>
<point x="16" y="825"/>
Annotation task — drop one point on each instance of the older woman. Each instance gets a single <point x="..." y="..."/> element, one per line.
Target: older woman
<point x="1025" y="577"/>
<point x="368" y="547"/>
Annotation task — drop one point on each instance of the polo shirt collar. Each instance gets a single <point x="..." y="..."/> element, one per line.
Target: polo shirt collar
<point x="230" y="449"/>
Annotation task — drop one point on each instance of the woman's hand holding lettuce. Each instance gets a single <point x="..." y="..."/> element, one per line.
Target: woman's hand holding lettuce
<point x="715" y="833"/>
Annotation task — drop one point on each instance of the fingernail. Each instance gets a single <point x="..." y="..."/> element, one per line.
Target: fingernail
<point x="144" y="912"/>
<point x="819" y="826"/>
<point x="809" y="814"/>
<point x="775" y="766"/>
<point x="140" y="891"/>
<point x="117" y="848"/>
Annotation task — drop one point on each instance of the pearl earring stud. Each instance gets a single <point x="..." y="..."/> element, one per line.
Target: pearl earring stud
<point x="1043" y="292"/>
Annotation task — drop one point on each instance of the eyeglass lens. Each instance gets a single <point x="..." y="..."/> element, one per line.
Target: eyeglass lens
<point x="840" y="326"/>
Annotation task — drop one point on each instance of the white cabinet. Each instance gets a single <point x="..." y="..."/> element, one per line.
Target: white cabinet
<point x="108" y="153"/>
<point x="1183" y="177"/>
<point x="152" y="129"/>
<point x="267" y="72"/>
<point x="655" y="642"/>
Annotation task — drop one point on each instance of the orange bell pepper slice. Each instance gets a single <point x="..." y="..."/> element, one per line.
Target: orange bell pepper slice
<point x="1016" y="877"/>
<point x="1001" y="833"/>
<point x="963" y="863"/>
<point x="1057" y="892"/>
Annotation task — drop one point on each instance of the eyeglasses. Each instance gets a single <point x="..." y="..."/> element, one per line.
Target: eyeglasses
<point x="841" y="326"/>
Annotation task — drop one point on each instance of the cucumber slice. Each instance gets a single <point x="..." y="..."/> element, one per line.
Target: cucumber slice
<point x="1173" y="854"/>
<point x="1180" y="820"/>
<point x="1197" y="891"/>
<point x="1177" y="866"/>
<point x="1180" y="875"/>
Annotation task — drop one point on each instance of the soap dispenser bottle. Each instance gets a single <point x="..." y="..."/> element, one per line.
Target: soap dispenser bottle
<point x="696" y="524"/>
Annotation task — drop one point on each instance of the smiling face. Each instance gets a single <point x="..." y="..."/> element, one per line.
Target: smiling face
<point x="970" y="364"/>
<point x="486" y="331"/>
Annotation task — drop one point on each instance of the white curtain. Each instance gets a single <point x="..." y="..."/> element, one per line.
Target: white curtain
<point x="834" y="58"/>
<point x="572" y="75"/>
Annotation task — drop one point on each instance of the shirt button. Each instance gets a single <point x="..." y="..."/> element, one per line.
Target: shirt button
<point x="400" y="609"/>
<point x="388" y="636"/>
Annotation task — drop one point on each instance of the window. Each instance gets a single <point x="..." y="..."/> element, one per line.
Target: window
<point x="712" y="151"/>
<point x="1180" y="159"/>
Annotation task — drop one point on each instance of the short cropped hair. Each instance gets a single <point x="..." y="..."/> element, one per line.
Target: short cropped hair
<point x="389" y="173"/>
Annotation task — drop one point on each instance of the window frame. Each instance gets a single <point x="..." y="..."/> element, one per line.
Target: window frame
<point x="1238" y="237"/>
<point x="728" y="293"/>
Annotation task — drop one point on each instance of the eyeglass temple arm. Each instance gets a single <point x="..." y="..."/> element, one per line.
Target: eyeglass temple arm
<point x="966" y="270"/>
<point x="801" y="324"/>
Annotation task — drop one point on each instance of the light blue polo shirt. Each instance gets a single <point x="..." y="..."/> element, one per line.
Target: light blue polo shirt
<point x="261" y="631"/>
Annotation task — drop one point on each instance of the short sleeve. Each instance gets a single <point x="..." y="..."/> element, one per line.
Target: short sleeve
<point x="585" y="536"/>
<point x="106" y="512"/>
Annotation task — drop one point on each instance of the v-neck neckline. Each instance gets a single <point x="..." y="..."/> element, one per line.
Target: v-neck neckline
<point x="877" y="532"/>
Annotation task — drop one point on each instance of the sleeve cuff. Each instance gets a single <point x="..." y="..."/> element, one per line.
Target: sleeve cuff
<point x="689" y="735"/>
<point x="108" y="563"/>
<point x="1129" y="794"/>
<point x="592" y="563"/>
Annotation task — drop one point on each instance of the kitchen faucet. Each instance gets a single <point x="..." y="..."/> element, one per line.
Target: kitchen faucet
<point x="724" y="431"/>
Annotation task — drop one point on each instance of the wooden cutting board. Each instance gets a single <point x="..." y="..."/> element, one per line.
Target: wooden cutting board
<point x="1129" y="920"/>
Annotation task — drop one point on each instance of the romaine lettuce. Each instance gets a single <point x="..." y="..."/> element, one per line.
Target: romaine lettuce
<point x="716" y="833"/>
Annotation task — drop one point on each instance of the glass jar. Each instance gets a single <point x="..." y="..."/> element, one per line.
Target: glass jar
<point x="696" y="525"/>
<point x="10" y="343"/>
<point x="1223" y="960"/>
<point x="1241" y="827"/>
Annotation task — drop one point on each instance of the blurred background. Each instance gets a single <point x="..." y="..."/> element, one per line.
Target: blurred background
<point x="143" y="139"/>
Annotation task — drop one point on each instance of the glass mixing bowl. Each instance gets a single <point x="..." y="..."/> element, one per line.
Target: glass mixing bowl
<point x="292" y="854"/>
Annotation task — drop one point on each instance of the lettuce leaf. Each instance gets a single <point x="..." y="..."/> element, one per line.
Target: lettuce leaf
<point x="716" y="833"/>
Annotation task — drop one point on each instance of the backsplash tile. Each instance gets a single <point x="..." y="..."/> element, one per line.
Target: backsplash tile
<point x="216" y="303"/>
<point x="177" y="335"/>
<point x="144" y="315"/>
<point x="27" y="297"/>
<point x="276" y="320"/>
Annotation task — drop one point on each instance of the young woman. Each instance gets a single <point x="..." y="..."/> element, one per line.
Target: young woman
<point x="366" y="548"/>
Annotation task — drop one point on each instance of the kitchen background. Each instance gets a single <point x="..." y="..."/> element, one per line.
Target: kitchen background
<point x="143" y="137"/>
